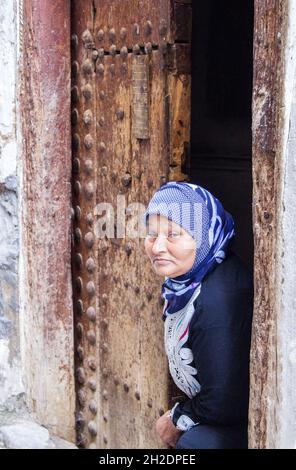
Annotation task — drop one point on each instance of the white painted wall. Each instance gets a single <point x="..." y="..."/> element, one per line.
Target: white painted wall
<point x="8" y="31"/>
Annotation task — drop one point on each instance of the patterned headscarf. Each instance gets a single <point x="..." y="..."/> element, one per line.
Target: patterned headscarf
<point x="205" y="219"/>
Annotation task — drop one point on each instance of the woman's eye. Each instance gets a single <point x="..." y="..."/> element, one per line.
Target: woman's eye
<point x="151" y="235"/>
<point x="174" y="234"/>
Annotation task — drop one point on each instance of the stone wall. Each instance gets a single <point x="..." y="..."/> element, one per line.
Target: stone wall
<point x="10" y="371"/>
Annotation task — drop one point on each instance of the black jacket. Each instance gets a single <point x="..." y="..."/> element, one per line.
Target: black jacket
<point x="219" y="337"/>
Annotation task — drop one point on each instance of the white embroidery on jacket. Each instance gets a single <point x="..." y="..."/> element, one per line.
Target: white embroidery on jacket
<point x="179" y="358"/>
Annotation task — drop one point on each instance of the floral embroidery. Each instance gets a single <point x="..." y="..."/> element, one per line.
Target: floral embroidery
<point x="179" y="357"/>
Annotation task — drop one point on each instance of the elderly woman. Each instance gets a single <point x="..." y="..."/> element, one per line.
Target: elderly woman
<point x="208" y="296"/>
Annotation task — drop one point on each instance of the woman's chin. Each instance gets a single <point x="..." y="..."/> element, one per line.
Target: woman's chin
<point x="164" y="271"/>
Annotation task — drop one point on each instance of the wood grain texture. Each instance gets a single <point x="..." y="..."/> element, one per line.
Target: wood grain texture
<point x="127" y="387"/>
<point x="47" y="343"/>
<point x="269" y="40"/>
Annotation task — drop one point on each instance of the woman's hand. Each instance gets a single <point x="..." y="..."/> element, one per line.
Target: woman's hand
<point x="166" y="430"/>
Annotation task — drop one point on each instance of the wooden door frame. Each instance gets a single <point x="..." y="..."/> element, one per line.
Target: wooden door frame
<point x="270" y="41"/>
<point x="45" y="212"/>
<point x="44" y="97"/>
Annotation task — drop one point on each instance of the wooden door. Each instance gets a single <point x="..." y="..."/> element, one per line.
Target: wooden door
<point x="130" y="119"/>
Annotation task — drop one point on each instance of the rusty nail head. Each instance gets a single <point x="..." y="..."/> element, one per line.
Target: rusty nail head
<point x="90" y="265"/>
<point x="74" y="40"/>
<point x="148" y="48"/>
<point x="92" y="364"/>
<point x="120" y="114"/>
<point x="148" y="27"/>
<point x="89" y="239"/>
<point x="126" y="180"/>
<point x="77" y="188"/>
<point x="77" y="235"/>
<point x="136" y="29"/>
<point x="92" y="384"/>
<point x="87" y="91"/>
<point x="91" y="313"/>
<point x="112" y="34"/>
<point x="87" y="117"/>
<point x="88" y="166"/>
<point x="93" y="406"/>
<point x="100" y="34"/>
<point x="87" y="66"/>
<point x="94" y="54"/>
<point x="90" y="288"/>
<point x="92" y="427"/>
<point x="100" y="69"/>
<point x="128" y="248"/>
<point x="76" y="165"/>
<point x="89" y="190"/>
<point x="80" y="374"/>
<point x="136" y="49"/>
<point x="76" y="141"/>
<point x="81" y="397"/>
<point x="79" y="330"/>
<point x="79" y="306"/>
<point x="88" y="141"/>
<point x="91" y="337"/>
<point x="78" y="283"/>
<point x="123" y="52"/>
<point x="102" y="146"/>
<point x="123" y="33"/>
<point x="75" y="68"/>
<point x="80" y="352"/>
<point x="86" y="37"/>
<point x="112" y="50"/>
<point x="77" y="211"/>
<point x="104" y="171"/>
<point x="74" y="94"/>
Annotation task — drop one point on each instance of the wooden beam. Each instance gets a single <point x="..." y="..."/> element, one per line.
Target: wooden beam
<point x="269" y="41"/>
<point x="46" y="207"/>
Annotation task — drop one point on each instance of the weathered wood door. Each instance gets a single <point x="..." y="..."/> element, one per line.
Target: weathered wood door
<point x="130" y="118"/>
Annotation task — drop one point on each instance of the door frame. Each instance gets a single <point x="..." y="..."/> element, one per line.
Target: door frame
<point x="45" y="186"/>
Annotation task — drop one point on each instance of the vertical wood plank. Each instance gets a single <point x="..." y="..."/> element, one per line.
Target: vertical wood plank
<point x="269" y="40"/>
<point x="47" y="324"/>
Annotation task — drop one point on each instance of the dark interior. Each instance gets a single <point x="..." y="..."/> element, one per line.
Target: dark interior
<point x="221" y="138"/>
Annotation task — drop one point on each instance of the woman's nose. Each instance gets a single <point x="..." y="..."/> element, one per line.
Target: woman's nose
<point x="160" y="245"/>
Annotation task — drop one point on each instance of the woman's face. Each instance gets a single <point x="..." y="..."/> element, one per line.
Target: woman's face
<point x="171" y="249"/>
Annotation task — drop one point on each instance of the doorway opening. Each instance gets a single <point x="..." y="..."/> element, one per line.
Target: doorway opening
<point x="221" y="110"/>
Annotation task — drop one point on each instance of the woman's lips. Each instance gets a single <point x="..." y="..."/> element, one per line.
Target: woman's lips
<point x="161" y="262"/>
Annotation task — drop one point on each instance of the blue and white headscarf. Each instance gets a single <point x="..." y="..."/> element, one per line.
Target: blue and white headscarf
<point x="211" y="226"/>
